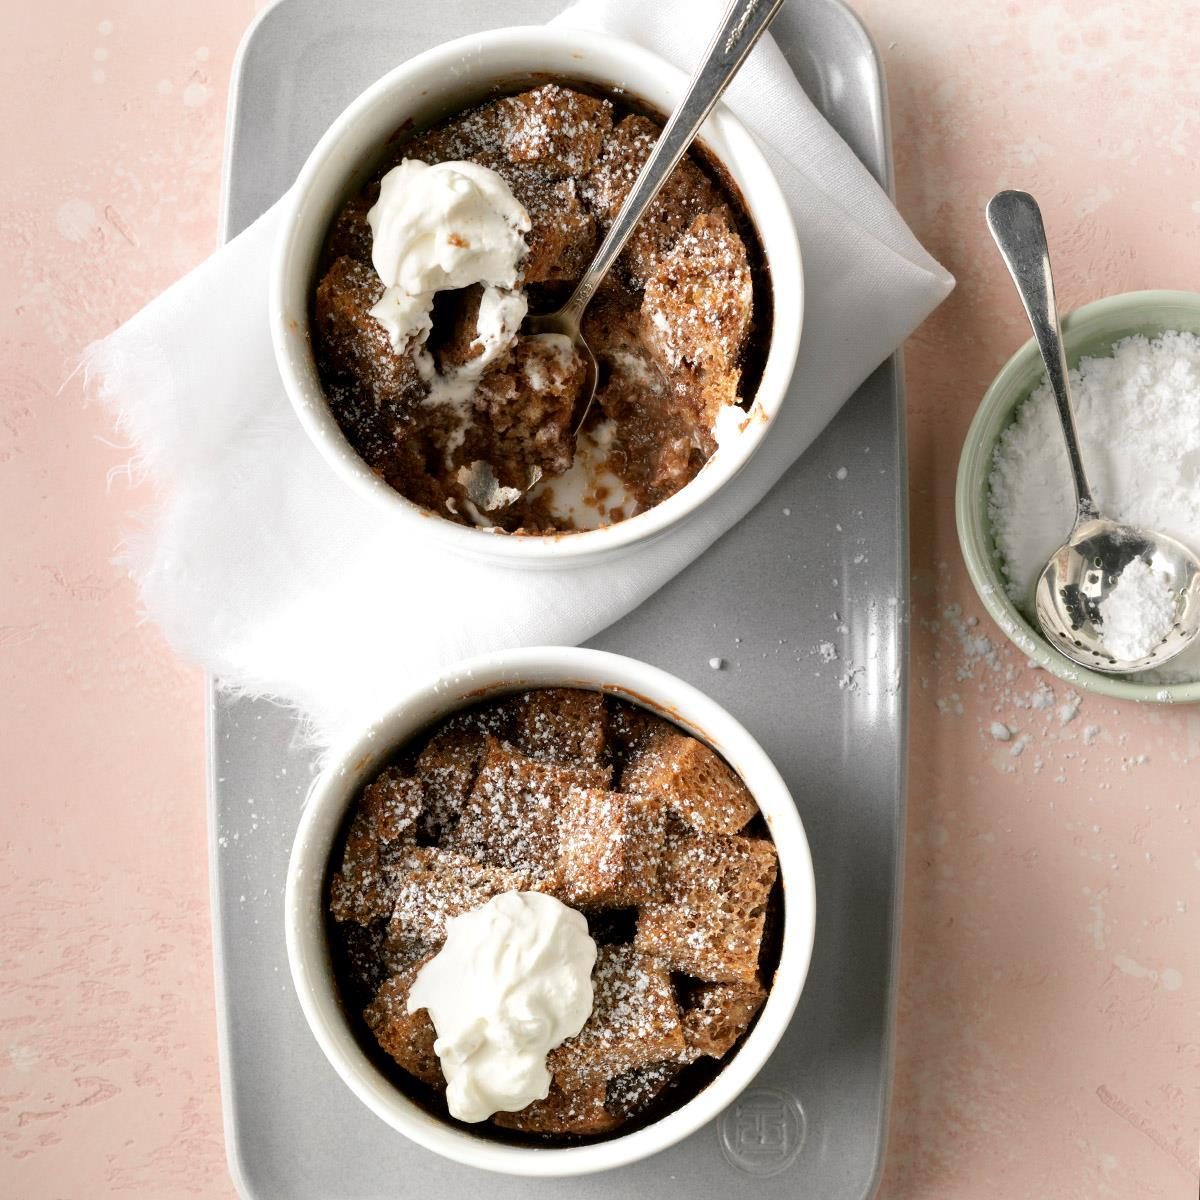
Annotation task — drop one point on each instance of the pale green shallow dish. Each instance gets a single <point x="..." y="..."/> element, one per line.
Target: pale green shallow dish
<point x="1088" y="331"/>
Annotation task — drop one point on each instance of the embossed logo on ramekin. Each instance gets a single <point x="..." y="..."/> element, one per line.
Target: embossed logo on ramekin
<point x="763" y="1131"/>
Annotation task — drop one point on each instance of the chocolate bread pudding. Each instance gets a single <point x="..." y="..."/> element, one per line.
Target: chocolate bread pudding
<point x="494" y="213"/>
<point x="618" y="815"/>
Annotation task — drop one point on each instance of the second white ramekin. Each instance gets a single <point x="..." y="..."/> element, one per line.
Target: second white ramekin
<point x="339" y="785"/>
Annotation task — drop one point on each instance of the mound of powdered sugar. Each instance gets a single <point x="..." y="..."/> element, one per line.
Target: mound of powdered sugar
<point x="1138" y="414"/>
<point x="1138" y="613"/>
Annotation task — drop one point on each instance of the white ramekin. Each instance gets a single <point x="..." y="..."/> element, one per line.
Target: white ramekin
<point x="304" y="903"/>
<point x="445" y="80"/>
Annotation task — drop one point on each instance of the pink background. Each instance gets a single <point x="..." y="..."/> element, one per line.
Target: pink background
<point x="1049" y="1031"/>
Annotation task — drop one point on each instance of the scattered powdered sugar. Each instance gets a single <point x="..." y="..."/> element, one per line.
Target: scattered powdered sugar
<point x="1018" y="747"/>
<point x="1069" y="709"/>
<point x="1138" y="613"/>
<point x="852" y="679"/>
<point x="1028" y="722"/>
<point x="1138" y="413"/>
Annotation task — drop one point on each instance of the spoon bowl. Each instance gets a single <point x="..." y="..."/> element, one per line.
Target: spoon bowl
<point x="1083" y="573"/>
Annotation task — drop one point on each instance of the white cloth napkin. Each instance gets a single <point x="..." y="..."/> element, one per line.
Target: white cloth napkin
<point x="261" y="565"/>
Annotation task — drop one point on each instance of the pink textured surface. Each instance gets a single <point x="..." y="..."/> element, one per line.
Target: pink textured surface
<point x="1048" y="1038"/>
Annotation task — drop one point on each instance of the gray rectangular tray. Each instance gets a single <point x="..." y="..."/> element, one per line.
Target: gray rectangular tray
<point x="822" y="560"/>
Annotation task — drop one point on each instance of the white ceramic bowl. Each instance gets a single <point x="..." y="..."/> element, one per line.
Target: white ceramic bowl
<point x="335" y="791"/>
<point x="443" y="81"/>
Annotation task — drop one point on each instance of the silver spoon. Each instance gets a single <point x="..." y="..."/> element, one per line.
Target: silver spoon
<point x="744" y="22"/>
<point x="1083" y="572"/>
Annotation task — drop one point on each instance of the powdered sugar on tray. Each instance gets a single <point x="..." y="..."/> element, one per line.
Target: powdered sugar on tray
<point x="1138" y="413"/>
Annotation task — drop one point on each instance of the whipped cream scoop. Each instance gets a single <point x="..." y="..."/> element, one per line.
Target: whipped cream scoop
<point x="449" y="225"/>
<point x="513" y="980"/>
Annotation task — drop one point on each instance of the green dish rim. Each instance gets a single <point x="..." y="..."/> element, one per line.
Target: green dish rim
<point x="1084" y="330"/>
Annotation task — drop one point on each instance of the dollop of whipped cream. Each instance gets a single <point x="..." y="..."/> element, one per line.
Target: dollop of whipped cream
<point x="512" y="981"/>
<point x="440" y="226"/>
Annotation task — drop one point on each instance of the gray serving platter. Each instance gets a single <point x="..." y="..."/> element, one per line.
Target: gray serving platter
<point x="818" y="569"/>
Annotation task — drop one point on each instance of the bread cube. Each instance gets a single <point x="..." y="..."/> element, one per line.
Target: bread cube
<point x="556" y="129"/>
<point x="699" y="786"/>
<point x="394" y="802"/>
<point x="576" y="1109"/>
<point x="562" y="237"/>
<point x="699" y="298"/>
<point x="710" y="924"/>
<point x="511" y="817"/>
<point x="555" y="724"/>
<point x="717" y="1014"/>
<point x="357" y="345"/>
<point x="610" y="847"/>
<point x="634" y="1022"/>
<point x="687" y="192"/>
<point x="388" y="812"/>
<point x="432" y="885"/>
<point x="466" y="135"/>
<point x="447" y="767"/>
<point x="405" y="1037"/>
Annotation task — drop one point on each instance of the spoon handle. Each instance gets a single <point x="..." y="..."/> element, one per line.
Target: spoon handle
<point x="1016" y="223"/>
<point x="744" y="23"/>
